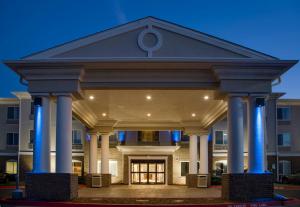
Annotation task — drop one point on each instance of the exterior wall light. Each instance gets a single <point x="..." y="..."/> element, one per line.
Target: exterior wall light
<point x="91" y="97"/>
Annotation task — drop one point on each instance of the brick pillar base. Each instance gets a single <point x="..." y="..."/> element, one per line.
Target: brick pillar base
<point x="191" y="180"/>
<point x="51" y="186"/>
<point x="106" y="180"/>
<point x="247" y="187"/>
<point x="88" y="179"/>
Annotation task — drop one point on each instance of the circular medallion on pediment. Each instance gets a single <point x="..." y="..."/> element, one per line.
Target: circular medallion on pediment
<point x="149" y="40"/>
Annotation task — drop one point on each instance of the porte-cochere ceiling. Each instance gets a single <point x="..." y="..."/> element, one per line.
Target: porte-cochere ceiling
<point x="160" y="109"/>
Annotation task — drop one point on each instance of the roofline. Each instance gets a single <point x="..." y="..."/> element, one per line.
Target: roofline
<point x="158" y="21"/>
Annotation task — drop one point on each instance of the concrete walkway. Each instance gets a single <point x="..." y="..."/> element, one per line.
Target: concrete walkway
<point x="150" y="191"/>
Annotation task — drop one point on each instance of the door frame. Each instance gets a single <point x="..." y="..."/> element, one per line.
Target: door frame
<point x="165" y="158"/>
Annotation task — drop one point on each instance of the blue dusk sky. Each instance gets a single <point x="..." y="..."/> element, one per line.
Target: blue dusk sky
<point x="269" y="26"/>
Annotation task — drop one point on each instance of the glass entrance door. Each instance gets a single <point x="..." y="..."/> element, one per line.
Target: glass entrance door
<point x="147" y="172"/>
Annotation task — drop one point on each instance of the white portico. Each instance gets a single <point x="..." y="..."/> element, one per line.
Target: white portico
<point x="178" y="67"/>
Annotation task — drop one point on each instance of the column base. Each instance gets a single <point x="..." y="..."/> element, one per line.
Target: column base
<point x="88" y="180"/>
<point x="191" y="180"/>
<point x="198" y="180"/>
<point x="247" y="187"/>
<point x="51" y="186"/>
<point x="106" y="180"/>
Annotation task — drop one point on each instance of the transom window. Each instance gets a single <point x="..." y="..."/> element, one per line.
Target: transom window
<point x="283" y="113"/>
<point x="12" y="113"/>
<point x="76" y="136"/>
<point x="284" y="139"/>
<point x="220" y="137"/>
<point x="12" y="139"/>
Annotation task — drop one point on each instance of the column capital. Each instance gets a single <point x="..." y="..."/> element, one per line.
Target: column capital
<point x="195" y="131"/>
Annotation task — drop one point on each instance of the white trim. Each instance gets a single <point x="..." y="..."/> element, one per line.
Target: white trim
<point x="148" y="158"/>
<point x="155" y="23"/>
<point x="153" y="150"/>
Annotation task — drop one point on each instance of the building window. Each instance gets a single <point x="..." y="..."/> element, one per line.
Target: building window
<point x="77" y="167"/>
<point x="12" y="138"/>
<point x="76" y="136"/>
<point x="11" y="167"/>
<point x="12" y="113"/>
<point x="185" y="168"/>
<point x="283" y="113"/>
<point x="221" y="167"/>
<point x="284" y="167"/>
<point x="113" y="167"/>
<point x="31" y="136"/>
<point x="148" y="136"/>
<point x="284" y="139"/>
<point x="220" y="137"/>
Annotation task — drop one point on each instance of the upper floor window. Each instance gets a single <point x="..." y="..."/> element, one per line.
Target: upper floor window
<point x="12" y="138"/>
<point x="220" y="137"/>
<point x="12" y="113"/>
<point x="284" y="139"/>
<point x="31" y="136"/>
<point x="76" y="136"/>
<point x="283" y="113"/>
<point x="148" y="136"/>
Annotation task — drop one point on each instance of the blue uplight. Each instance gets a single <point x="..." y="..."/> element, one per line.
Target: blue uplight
<point x="88" y="137"/>
<point x="37" y="143"/>
<point x="209" y="138"/>
<point x="258" y="143"/>
<point x="176" y="136"/>
<point x="121" y="136"/>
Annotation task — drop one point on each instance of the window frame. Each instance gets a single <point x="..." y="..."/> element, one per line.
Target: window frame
<point x="77" y="161"/>
<point x="15" y="167"/>
<point x="13" y="139"/>
<point x="116" y="174"/>
<point x="80" y="133"/>
<point x="289" y="113"/>
<point x="223" y="137"/>
<point x="16" y="115"/>
<point x="283" y="145"/>
<point x="283" y="162"/>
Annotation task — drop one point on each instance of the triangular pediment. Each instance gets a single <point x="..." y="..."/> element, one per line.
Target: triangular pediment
<point x="149" y="38"/>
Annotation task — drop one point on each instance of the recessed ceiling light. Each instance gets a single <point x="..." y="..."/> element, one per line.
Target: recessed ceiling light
<point x="148" y="97"/>
<point x="148" y="114"/>
<point x="91" y="97"/>
<point x="206" y="97"/>
<point x="104" y="114"/>
<point x="193" y="114"/>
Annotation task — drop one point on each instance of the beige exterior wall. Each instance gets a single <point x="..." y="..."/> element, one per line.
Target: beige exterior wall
<point x="7" y="126"/>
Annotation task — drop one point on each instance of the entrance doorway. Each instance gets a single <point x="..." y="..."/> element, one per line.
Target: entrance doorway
<point x="148" y="172"/>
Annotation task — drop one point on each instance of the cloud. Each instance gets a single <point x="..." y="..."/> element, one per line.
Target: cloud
<point x="120" y="14"/>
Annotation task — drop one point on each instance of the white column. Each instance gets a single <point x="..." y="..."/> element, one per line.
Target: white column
<point x="235" y="129"/>
<point x="193" y="155"/>
<point x="256" y="136"/>
<point x="203" y="154"/>
<point x="64" y="134"/>
<point x="105" y="154"/>
<point x="93" y="153"/>
<point x="41" y="146"/>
